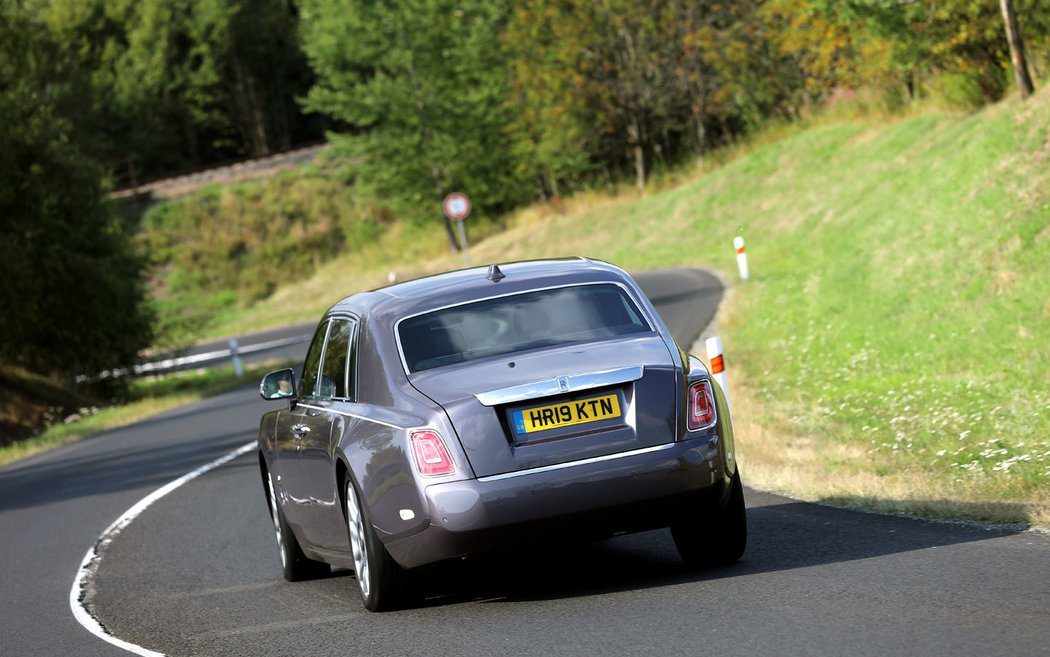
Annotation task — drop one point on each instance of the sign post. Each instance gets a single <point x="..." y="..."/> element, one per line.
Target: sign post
<point x="457" y="207"/>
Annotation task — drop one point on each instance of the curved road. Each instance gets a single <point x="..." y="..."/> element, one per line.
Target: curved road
<point x="197" y="573"/>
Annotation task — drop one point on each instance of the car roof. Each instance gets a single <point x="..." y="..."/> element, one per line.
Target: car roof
<point x="400" y="300"/>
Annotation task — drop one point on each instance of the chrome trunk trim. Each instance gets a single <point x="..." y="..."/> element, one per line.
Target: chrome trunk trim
<point x="560" y="385"/>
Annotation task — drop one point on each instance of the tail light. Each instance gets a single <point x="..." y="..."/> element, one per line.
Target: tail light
<point x="702" y="414"/>
<point x="432" y="459"/>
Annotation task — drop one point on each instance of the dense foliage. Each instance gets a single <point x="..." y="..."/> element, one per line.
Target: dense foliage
<point x="425" y="83"/>
<point x="72" y="290"/>
<point x="498" y="97"/>
<point x="181" y="83"/>
<point x="504" y="99"/>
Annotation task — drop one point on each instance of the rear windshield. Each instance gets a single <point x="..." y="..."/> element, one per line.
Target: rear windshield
<point x="515" y="323"/>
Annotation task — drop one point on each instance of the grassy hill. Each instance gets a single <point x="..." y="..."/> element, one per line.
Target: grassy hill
<point x="892" y="348"/>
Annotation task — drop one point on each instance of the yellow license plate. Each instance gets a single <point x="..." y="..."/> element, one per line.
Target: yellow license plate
<point x="566" y="414"/>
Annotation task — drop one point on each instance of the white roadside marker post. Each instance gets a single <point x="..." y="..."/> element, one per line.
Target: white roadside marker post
<point x="718" y="369"/>
<point x="741" y="257"/>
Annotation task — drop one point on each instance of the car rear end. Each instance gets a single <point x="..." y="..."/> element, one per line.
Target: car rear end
<point x="574" y="410"/>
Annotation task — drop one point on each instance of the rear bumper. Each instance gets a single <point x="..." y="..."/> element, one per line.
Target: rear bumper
<point x="627" y="492"/>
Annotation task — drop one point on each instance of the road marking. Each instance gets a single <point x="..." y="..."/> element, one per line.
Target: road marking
<point x="82" y="584"/>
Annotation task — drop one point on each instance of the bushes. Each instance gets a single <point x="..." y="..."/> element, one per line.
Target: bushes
<point x="223" y="248"/>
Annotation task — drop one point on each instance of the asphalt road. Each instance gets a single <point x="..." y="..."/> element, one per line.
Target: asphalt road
<point x="198" y="573"/>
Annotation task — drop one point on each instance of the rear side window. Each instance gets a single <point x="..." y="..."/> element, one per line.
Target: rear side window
<point x="505" y="325"/>
<point x="334" y="381"/>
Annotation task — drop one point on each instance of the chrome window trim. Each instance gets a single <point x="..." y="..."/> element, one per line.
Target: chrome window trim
<point x="351" y="357"/>
<point x="330" y="319"/>
<point x="641" y="307"/>
<point x="560" y="385"/>
<point x="573" y="464"/>
<point x="327" y="321"/>
<point x="353" y="415"/>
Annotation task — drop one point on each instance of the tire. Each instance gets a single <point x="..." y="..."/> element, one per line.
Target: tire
<point x="714" y="539"/>
<point x="379" y="577"/>
<point x="295" y="565"/>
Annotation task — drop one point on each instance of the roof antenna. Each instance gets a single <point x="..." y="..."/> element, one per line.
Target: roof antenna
<point x="495" y="275"/>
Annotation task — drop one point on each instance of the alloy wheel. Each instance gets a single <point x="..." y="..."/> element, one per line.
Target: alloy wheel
<point x="276" y="520"/>
<point x="356" y="524"/>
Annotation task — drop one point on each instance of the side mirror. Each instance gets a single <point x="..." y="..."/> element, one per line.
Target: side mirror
<point x="278" y="385"/>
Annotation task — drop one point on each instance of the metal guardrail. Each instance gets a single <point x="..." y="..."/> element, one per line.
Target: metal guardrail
<point x="181" y="362"/>
<point x="176" y="363"/>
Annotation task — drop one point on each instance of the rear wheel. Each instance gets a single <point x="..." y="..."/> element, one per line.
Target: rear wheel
<point x="379" y="577"/>
<point x="296" y="565"/>
<point x="714" y="539"/>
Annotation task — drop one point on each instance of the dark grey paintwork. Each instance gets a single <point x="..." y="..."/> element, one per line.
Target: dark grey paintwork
<point x="637" y="476"/>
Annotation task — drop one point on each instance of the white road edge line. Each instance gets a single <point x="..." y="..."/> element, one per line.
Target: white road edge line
<point x="78" y="595"/>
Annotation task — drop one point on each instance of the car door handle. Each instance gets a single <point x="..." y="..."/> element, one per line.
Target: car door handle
<point x="300" y="430"/>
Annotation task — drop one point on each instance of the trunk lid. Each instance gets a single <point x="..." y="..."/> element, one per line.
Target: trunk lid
<point x="548" y="406"/>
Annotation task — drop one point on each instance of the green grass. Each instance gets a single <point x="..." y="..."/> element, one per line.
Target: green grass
<point x="148" y="397"/>
<point x="892" y="343"/>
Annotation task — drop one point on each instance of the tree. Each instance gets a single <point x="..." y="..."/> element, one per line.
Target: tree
<point x="553" y="142"/>
<point x="617" y="84"/>
<point x="179" y="83"/>
<point x="1017" y="56"/>
<point x="72" y="289"/>
<point x="423" y="85"/>
<point x="925" y="39"/>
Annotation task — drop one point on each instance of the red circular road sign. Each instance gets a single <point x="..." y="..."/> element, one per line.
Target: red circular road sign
<point x="456" y="206"/>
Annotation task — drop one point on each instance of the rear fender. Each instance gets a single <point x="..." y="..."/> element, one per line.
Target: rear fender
<point x="698" y="371"/>
<point x="377" y="458"/>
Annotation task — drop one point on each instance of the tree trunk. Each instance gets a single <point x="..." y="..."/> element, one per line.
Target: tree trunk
<point x="1013" y="36"/>
<point x="542" y="189"/>
<point x="251" y="116"/>
<point x="634" y="138"/>
<point x="258" y="119"/>
<point x="189" y="133"/>
<point x="701" y="136"/>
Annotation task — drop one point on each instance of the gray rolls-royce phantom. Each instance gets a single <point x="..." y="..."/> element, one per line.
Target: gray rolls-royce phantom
<point x="483" y="408"/>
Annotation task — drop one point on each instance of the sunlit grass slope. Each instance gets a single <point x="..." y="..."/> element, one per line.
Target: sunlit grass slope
<point x="892" y="348"/>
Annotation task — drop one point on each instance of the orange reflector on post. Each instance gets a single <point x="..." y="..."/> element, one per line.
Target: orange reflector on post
<point x="716" y="365"/>
<point x="714" y="356"/>
<point x="741" y="257"/>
